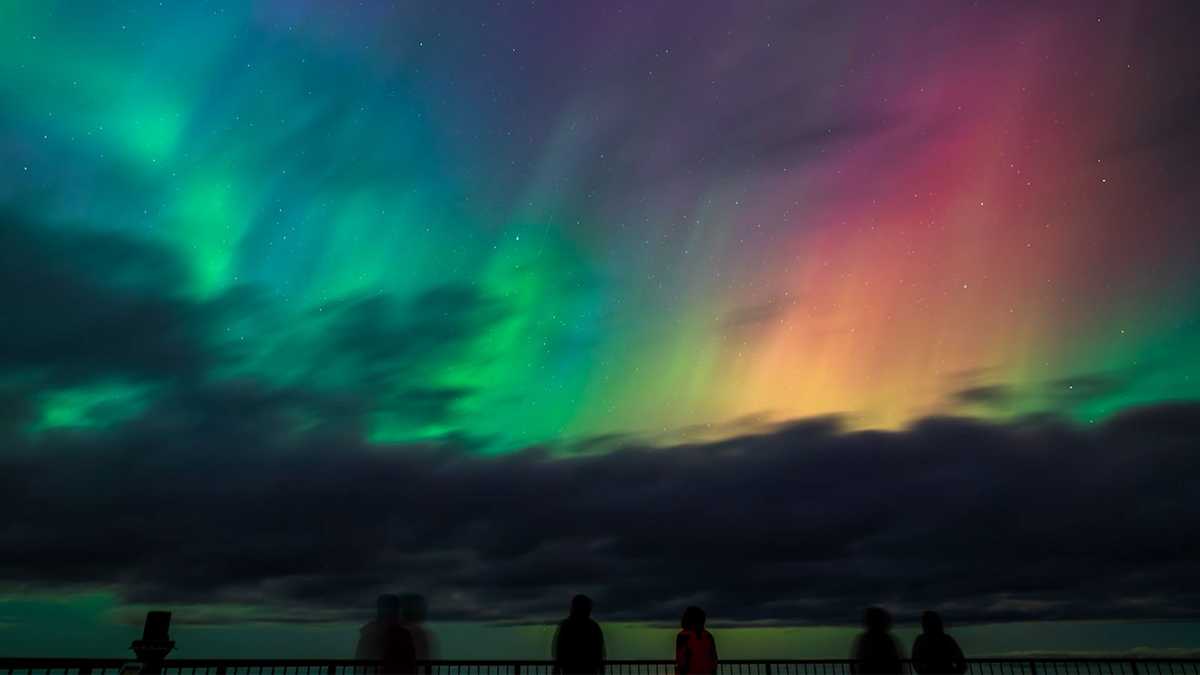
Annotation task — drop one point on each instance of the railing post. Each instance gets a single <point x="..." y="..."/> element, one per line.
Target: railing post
<point x="516" y="669"/>
<point x="768" y="664"/>
<point x="330" y="669"/>
<point x="1133" y="666"/>
<point x="221" y="669"/>
<point x="1032" y="667"/>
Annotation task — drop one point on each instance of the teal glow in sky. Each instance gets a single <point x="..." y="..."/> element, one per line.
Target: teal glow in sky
<point x="452" y="264"/>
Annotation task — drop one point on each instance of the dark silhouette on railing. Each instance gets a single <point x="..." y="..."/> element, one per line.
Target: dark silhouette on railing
<point x="695" y="647"/>
<point x="997" y="666"/>
<point x="876" y="652"/>
<point x="413" y="611"/>
<point x="578" y="647"/>
<point x="156" y="636"/>
<point x="934" y="652"/>
<point x="387" y="641"/>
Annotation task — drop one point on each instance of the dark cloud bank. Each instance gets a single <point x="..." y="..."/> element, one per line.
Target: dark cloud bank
<point x="215" y="495"/>
<point x="804" y="524"/>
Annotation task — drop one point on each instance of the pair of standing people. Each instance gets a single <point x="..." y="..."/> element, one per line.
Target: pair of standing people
<point x="934" y="652"/>
<point x="397" y="637"/>
<point x="578" y="647"/>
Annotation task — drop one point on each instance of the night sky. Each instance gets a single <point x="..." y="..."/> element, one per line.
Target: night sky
<point x="780" y="308"/>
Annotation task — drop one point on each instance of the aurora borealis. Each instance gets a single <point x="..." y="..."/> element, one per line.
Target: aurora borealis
<point x="715" y="223"/>
<point x="238" y="232"/>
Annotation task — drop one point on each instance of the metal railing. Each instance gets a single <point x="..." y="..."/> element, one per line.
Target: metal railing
<point x="997" y="666"/>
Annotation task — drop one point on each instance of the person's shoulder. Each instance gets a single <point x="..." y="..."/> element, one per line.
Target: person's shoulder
<point x="681" y="639"/>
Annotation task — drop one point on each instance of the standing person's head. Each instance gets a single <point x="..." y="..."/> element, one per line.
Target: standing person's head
<point x="877" y="620"/>
<point x="581" y="606"/>
<point x="387" y="608"/>
<point x="931" y="622"/>
<point x="693" y="619"/>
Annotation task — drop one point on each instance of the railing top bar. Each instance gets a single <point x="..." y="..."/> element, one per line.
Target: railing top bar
<point x="199" y="663"/>
<point x="108" y="662"/>
<point x="67" y="662"/>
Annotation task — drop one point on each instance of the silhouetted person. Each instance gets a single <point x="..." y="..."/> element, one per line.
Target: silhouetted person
<point x="695" y="648"/>
<point x="876" y="652"/>
<point x="386" y="640"/>
<point x="579" y="643"/>
<point x="413" y="610"/>
<point x="934" y="652"/>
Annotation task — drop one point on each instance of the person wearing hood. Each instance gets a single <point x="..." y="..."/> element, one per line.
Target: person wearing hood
<point x="578" y="647"/>
<point x="934" y="652"/>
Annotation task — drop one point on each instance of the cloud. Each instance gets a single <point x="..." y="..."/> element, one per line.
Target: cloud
<point x="228" y="493"/>
<point x="758" y="314"/>
<point x="1088" y="387"/>
<point x="1064" y="395"/>
<point x="90" y="311"/>
<point x="74" y="310"/>
<point x="990" y="395"/>
<point x="806" y="524"/>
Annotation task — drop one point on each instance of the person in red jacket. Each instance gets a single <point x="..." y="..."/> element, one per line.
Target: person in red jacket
<point x="695" y="648"/>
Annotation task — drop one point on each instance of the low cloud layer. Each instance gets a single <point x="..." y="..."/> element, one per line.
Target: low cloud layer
<point x="803" y="524"/>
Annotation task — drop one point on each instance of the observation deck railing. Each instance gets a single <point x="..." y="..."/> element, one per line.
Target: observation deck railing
<point x="981" y="666"/>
